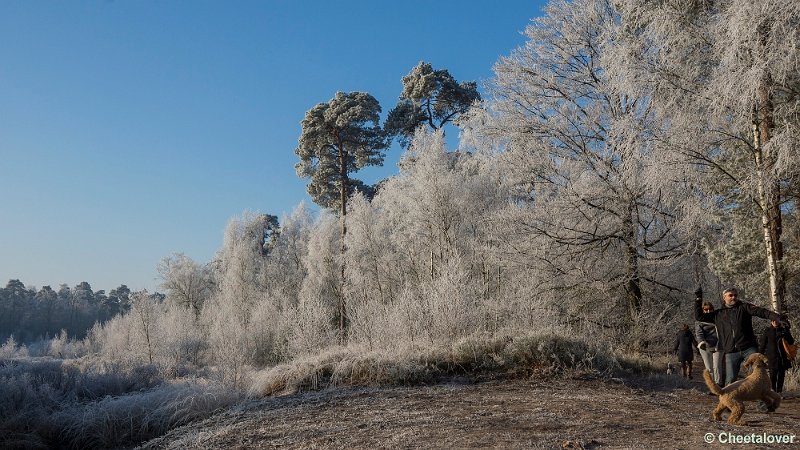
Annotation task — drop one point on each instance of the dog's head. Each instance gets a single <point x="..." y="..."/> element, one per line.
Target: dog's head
<point x="757" y="360"/>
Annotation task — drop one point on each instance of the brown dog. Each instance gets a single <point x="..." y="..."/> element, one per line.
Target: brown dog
<point x="755" y="387"/>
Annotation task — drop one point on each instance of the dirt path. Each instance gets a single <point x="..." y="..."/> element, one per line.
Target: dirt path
<point x="572" y="413"/>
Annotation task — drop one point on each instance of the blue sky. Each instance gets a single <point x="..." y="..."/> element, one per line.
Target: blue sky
<point x="131" y="130"/>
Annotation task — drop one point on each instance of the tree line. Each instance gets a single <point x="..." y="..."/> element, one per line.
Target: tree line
<point x="29" y="314"/>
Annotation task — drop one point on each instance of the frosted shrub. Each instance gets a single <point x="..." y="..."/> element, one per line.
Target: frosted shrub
<point x="244" y="317"/>
<point x="792" y="381"/>
<point x="31" y="391"/>
<point x="312" y="328"/>
<point x="168" y="336"/>
<point x="181" y="339"/>
<point x="132" y="338"/>
<point x="270" y="331"/>
<point x="229" y="341"/>
<point x="437" y="312"/>
<point x="114" y="422"/>
<point x="146" y="334"/>
<point x="58" y="345"/>
<point x="454" y="311"/>
<point x="114" y="338"/>
<point x="9" y="348"/>
<point x="376" y="325"/>
<point x="417" y="266"/>
<point x="187" y="283"/>
<point x="509" y="356"/>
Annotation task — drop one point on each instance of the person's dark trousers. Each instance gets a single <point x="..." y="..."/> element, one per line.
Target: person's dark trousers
<point x="776" y="377"/>
<point x="733" y="362"/>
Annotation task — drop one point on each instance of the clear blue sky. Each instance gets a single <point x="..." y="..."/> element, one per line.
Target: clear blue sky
<point x="130" y="130"/>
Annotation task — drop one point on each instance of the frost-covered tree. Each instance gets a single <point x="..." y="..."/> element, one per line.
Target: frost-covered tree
<point x="437" y="202"/>
<point x="371" y="265"/>
<point x="284" y="271"/>
<point x="724" y="79"/>
<point x="242" y="260"/>
<point x="80" y="303"/>
<point x="245" y="316"/>
<point x="144" y="312"/>
<point x="416" y="255"/>
<point x="736" y="255"/>
<point x="591" y="209"/>
<point x="186" y="282"/>
<point x="430" y="97"/>
<point x="319" y="312"/>
<point x="338" y="138"/>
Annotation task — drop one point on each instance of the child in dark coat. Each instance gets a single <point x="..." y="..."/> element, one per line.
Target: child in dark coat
<point x="684" y="347"/>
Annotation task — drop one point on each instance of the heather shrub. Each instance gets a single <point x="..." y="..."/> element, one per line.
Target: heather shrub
<point x="96" y="404"/>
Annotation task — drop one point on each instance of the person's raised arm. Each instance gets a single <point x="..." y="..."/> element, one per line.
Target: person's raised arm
<point x="764" y="313"/>
<point x="698" y="307"/>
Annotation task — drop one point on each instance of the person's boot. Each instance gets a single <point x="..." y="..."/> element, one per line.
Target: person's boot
<point x="689" y="372"/>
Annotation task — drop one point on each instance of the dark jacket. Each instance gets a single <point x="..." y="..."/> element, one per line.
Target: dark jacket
<point x="734" y="324"/>
<point x="707" y="332"/>
<point x="772" y="348"/>
<point x="684" y="345"/>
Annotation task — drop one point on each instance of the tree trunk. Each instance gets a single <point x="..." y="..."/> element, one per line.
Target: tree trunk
<point x="769" y="191"/>
<point x="633" y="288"/>
<point x="343" y="215"/>
<point x="769" y="198"/>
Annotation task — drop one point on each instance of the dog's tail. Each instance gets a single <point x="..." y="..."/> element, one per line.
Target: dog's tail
<point x="712" y="386"/>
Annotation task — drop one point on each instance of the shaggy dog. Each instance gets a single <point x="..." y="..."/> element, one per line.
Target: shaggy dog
<point x="755" y="387"/>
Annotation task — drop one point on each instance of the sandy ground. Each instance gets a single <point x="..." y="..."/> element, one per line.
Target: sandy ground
<point x="565" y="413"/>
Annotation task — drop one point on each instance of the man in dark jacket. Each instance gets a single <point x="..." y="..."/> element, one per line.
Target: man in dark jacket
<point x="734" y="322"/>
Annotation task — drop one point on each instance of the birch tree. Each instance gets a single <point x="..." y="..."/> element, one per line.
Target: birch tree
<point x="144" y="310"/>
<point x="187" y="283"/>
<point x="284" y="271"/>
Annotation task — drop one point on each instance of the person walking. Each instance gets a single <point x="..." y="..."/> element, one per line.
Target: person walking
<point x="772" y="347"/>
<point x="734" y="322"/>
<point x="684" y="347"/>
<point x="706" y="335"/>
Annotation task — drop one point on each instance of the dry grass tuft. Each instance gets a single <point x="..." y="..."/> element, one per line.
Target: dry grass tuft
<point x="115" y="422"/>
<point x="91" y="404"/>
<point x="475" y="357"/>
<point x="791" y="382"/>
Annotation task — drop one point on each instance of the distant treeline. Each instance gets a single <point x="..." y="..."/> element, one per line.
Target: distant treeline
<point x="29" y="315"/>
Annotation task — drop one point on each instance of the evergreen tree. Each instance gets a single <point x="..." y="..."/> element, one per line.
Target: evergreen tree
<point x="430" y="98"/>
<point x="338" y="138"/>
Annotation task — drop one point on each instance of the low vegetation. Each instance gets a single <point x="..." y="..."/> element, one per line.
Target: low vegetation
<point x="47" y="403"/>
<point x="504" y="357"/>
<point x="88" y="403"/>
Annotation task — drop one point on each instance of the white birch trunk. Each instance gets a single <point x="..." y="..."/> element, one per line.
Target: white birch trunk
<point x="773" y="269"/>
